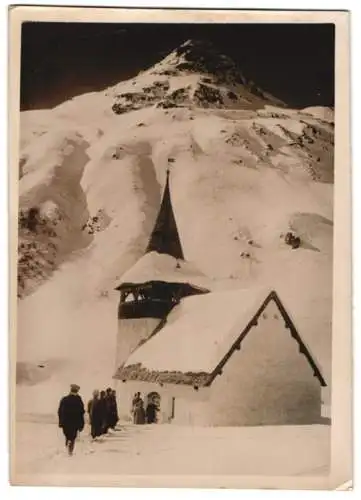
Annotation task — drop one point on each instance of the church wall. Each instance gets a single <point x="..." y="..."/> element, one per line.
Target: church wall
<point x="192" y="411"/>
<point x="185" y="398"/>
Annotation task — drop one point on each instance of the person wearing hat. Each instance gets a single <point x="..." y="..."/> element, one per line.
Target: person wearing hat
<point x="111" y="417"/>
<point x="71" y="416"/>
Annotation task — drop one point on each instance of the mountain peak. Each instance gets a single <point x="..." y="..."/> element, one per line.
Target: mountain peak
<point x="196" y="43"/>
<point x="201" y="56"/>
<point x="194" y="74"/>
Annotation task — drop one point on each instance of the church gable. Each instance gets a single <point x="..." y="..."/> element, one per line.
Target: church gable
<point x="270" y="345"/>
<point x="274" y="319"/>
<point x="268" y="381"/>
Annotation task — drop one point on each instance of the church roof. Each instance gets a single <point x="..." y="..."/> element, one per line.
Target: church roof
<point x="165" y="238"/>
<point x="201" y="334"/>
<point x="164" y="259"/>
<point x="155" y="266"/>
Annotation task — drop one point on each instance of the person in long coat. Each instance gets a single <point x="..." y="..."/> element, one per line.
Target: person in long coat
<point x="113" y="410"/>
<point x="139" y="413"/>
<point x="71" y="416"/>
<point x="95" y="415"/>
<point x="151" y="412"/>
<point x="135" y="401"/>
<point x="103" y="412"/>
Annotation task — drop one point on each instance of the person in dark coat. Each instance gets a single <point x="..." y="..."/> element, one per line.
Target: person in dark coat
<point x="71" y="416"/>
<point x="107" y="409"/>
<point x="113" y="410"/>
<point x="139" y="413"/>
<point x="95" y="415"/>
<point x="151" y="412"/>
<point x="103" y="412"/>
<point x="135" y="401"/>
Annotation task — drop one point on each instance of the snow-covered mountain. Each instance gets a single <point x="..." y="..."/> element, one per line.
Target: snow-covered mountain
<point x="245" y="170"/>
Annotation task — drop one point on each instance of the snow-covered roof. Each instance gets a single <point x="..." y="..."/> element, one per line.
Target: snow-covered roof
<point x="154" y="266"/>
<point x="200" y="335"/>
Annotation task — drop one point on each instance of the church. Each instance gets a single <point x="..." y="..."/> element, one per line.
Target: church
<point x="211" y="358"/>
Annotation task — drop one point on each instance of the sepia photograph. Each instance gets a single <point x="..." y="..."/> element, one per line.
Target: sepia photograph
<point x="180" y="307"/>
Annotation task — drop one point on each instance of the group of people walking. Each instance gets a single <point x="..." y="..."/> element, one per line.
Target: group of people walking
<point x="147" y="415"/>
<point x="102" y="411"/>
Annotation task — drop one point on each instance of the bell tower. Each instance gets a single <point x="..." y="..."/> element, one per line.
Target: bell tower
<point x="155" y="284"/>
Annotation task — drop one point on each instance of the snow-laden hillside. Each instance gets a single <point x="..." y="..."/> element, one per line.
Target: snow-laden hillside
<point x="244" y="172"/>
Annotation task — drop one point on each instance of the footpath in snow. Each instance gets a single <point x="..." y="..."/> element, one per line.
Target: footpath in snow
<point x="41" y="457"/>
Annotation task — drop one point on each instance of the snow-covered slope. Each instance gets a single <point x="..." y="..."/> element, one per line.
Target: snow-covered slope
<point x="245" y="170"/>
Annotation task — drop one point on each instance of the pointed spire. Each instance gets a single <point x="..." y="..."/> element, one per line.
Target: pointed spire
<point x="165" y="238"/>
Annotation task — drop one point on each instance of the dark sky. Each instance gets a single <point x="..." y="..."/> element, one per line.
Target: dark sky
<point x="295" y="62"/>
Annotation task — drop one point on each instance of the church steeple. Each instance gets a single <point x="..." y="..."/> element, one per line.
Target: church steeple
<point x="165" y="238"/>
<point x="155" y="284"/>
